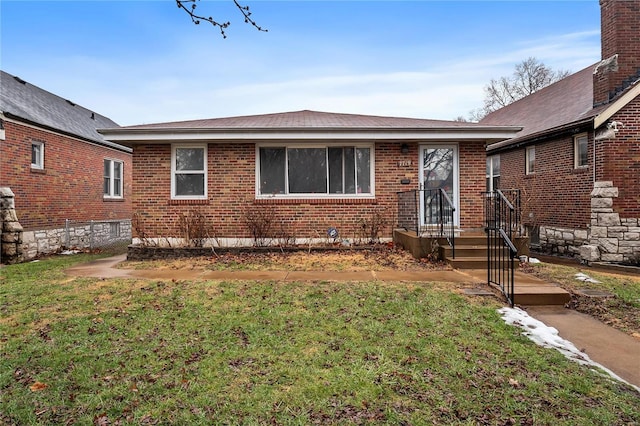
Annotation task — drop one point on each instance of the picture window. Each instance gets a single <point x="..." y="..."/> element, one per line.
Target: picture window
<point x="324" y="171"/>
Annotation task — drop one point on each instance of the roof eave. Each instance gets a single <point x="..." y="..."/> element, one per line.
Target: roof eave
<point x="574" y="127"/>
<point x="132" y="137"/>
<point x="104" y="143"/>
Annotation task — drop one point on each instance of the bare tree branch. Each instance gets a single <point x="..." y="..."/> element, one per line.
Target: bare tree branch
<point x="189" y="6"/>
<point x="528" y="77"/>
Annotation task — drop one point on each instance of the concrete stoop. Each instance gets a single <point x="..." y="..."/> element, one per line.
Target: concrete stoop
<point x="529" y="290"/>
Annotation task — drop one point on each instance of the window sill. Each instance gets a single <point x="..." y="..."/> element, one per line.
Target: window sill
<point x="38" y="171"/>
<point x="581" y="169"/>
<point x="341" y="201"/>
<point x="113" y="199"/>
<point x="199" y="202"/>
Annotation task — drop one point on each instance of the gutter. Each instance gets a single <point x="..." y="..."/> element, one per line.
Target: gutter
<point x="569" y="129"/>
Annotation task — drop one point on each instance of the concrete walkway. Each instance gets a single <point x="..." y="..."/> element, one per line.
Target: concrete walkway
<point x="605" y="345"/>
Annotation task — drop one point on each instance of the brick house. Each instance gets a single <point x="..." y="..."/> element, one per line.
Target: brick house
<point x="57" y="166"/>
<point x="311" y="170"/>
<point x="577" y="158"/>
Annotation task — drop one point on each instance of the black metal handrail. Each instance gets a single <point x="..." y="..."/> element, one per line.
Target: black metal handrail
<point x="438" y="214"/>
<point x="502" y="224"/>
<point x="446" y="205"/>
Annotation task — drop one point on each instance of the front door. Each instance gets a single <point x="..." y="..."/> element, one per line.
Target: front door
<point x="438" y="170"/>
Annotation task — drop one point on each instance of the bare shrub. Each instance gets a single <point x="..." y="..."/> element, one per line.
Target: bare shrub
<point x="260" y="220"/>
<point x="193" y="228"/>
<point x="140" y="232"/>
<point x="371" y="227"/>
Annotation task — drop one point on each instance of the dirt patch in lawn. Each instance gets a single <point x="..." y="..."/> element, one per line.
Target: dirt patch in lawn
<point x="383" y="258"/>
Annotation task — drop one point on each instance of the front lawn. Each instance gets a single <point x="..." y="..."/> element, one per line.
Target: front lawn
<point x="105" y="352"/>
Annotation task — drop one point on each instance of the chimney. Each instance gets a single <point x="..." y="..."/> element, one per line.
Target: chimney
<point x="620" y="39"/>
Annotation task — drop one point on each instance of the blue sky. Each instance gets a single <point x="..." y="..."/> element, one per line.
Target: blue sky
<point x="144" y="61"/>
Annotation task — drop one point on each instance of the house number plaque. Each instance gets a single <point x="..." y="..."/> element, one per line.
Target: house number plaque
<point x="404" y="163"/>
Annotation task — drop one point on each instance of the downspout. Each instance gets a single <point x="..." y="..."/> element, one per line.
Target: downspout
<point x="594" y="156"/>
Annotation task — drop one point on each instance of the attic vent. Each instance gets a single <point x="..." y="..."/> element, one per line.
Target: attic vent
<point x="70" y="103"/>
<point x="93" y="115"/>
<point x="19" y="80"/>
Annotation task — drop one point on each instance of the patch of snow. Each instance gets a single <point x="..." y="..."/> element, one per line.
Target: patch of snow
<point x="68" y="252"/>
<point x="586" y="278"/>
<point x="534" y="260"/>
<point x="548" y="337"/>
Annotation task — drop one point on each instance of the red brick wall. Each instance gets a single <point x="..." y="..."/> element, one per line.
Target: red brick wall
<point x="472" y="184"/>
<point x="231" y="190"/>
<point x="557" y="194"/>
<point x="620" y="159"/>
<point x="69" y="187"/>
<point x="620" y="26"/>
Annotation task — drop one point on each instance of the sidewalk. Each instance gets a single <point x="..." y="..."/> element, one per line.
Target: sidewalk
<point x="605" y="345"/>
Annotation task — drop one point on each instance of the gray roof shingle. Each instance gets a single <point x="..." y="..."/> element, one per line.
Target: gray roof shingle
<point x="304" y="120"/>
<point x="26" y="102"/>
<point x="567" y="101"/>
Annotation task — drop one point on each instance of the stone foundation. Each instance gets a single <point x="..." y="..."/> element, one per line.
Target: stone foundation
<point x="562" y="241"/>
<point x="85" y="235"/>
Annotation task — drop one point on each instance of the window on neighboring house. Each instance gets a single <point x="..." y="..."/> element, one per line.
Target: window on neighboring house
<point x="37" y="155"/>
<point x="493" y="173"/>
<point x="189" y="172"/>
<point x="530" y="160"/>
<point x="316" y="170"/>
<point x="112" y="186"/>
<point x="581" y="151"/>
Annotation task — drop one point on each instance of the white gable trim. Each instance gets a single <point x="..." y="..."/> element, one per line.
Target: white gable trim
<point x="616" y="106"/>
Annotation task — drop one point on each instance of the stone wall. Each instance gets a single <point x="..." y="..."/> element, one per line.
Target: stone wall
<point x="612" y="238"/>
<point x="609" y="238"/>
<point x="562" y="241"/>
<point x="10" y="229"/>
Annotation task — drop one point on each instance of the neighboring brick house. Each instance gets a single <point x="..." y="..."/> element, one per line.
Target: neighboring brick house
<point x="577" y="159"/>
<point x="57" y="165"/>
<point x="312" y="170"/>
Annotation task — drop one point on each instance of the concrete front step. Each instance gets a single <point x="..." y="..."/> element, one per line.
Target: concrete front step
<point x="467" y="262"/>
<point x="529" y="290"/>
<point x="540" y="295"/>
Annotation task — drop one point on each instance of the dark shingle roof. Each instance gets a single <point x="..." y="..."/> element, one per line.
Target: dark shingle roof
<point x="26" y="102"/>
<point x="567" y="101"/>
<point x="304" y="120"/>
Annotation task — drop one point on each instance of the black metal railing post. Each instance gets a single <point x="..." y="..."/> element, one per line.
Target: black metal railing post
<point x="501" y="217"/>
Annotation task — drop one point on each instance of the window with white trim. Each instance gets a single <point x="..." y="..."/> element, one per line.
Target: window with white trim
<point x="37" y="155"/>
<point x="581" y="151"/>
<point x="530" y="160"/>
<point x="318" y="171"/>
<point x="493" y="173"/>
<point x="112" y="182"/>
<point x="189" y="172"/>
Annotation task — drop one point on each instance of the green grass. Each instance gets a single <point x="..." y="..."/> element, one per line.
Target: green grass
<point x="155" y="352"/>
<point x="626" y="288"/>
